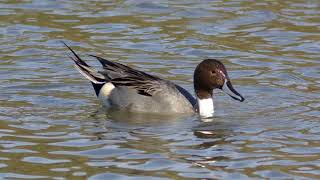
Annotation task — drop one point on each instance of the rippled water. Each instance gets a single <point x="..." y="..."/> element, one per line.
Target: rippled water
<point x="52" y="126"/>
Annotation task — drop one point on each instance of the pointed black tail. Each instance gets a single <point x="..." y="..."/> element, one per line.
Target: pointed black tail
<point x="96" y="78"/>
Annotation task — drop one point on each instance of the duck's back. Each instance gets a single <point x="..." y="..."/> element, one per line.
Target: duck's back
<point x="166" y="99"/>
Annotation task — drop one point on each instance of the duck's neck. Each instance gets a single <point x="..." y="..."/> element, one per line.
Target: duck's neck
<point x="205" y="107"/>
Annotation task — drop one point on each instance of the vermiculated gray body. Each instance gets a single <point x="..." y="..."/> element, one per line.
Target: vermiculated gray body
<point x="121" y="87"/>
<point x="167" y="99"/>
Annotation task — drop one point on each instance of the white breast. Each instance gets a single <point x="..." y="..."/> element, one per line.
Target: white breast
<point x="206" y="107"/>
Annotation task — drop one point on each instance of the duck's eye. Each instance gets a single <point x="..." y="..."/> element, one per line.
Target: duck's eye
<point x="213" y="72"/>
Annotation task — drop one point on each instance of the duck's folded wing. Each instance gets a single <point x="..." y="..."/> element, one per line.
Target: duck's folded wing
<point x="117" y="70"/>
<point x="122" y="75"/>
<point x="143" y="86"/>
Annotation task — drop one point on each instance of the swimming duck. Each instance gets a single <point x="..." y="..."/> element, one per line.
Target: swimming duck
<point x="121" y="87"/>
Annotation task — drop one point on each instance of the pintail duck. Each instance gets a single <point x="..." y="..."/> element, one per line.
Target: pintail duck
<point x="121" y="87"/>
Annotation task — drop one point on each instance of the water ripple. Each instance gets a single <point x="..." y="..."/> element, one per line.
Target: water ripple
<point x="50" y="116"/>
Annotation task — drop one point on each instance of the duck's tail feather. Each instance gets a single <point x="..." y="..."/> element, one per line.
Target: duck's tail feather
<point x="90" y="74"/>
<point x="96" y="78"/>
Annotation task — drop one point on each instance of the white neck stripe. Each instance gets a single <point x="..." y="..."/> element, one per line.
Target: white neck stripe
<point x="206" y="107"/>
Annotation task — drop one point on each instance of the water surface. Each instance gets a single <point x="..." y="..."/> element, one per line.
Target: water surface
<point x="52" y="126"/>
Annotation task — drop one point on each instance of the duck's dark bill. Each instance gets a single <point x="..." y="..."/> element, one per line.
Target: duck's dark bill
<point x="228" y="89"/>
